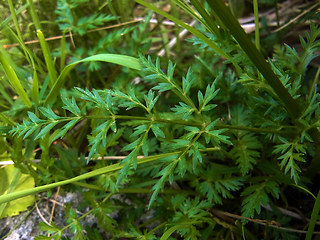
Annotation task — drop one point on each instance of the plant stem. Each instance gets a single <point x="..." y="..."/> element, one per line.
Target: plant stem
<point x="197" y="124"/>
<point x="256" y="23"/>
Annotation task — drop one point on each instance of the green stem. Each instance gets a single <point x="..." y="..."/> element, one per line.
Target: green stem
<point x="256" y="23"/>
<point x="115" y="167"/>
<point x="131" y="190"/>
<point x="252" y="129"/>
<point x="197" y="124"/>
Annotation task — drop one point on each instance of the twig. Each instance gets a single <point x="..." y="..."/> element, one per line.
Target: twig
<point x="41" y="216"/>
<point x="60" y="204"/>
<point x="54" y="204"/>
<point x="272" y="224"/>
<point x="295" y="18"/>
<point x="70" y="35"/>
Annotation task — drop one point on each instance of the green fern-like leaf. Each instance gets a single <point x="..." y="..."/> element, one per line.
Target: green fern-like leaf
<point x="99" y="139"/>
<point x="191" y="215"/>
<point x="53" y="229"/>
<point x="76" y="227"/>
<point x="86" y="23"/>
<point x="258" y="194"/>
<point x="245" y="152"/>
<point x="292" y="152"/>
<point x="216" y="185"/>
<point x="246" y="146"/>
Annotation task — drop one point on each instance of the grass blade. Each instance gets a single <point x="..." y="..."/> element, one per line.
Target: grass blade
<point x="14" y="18"/>
<point x="13" y="78"/>
<point x="123" y="60"/>
<point x="29" y="56"/>
<point x="208" y="21"/>
<point x="63" y="51"/>
<point x="314" y="216"/>
<point x="8" y="19"/>
<point x="47" y="58"/>
<point x="34" y="15"/>
<point x="6" y="120"/>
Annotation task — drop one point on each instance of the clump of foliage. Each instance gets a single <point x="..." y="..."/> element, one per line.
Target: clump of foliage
<point x="225" y="129"/>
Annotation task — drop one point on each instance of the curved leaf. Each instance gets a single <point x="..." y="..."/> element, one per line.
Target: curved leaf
<point x="123" y="60"/>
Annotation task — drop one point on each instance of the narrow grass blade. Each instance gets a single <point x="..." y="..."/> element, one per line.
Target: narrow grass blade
<point x="186" y="7"/>
<point x="115" y="167"/>
<point x="63" y="51"/>
<point x="6" y="98"/>
<point x="35" y="87"/>
<point x="123" y="60"/>
<point x="29" y="57"/>
<point x="14" y="18"/>
<point x="224" y="14"/>
<point x="47" y="58"/>
<point x="8" y="19"/>
<point x="13" y="78"/>
<point x="34" y="14"/>
<point x="6" y="120"/>
<point x="208" y="21"/>
<point x="314" y="217"/>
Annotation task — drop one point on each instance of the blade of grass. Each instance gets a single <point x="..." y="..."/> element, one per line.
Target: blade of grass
<point x="14" y="18"/>
<point x="6" y="120"/>
<point x="5" y="96"/>
<point x="224" y="14"/>
<point x="314" y="217"/>
<point x="208" y="21"/>
<point x="47" y="58"/>
<point x="123" y="60"/>
<point x="8" y="19"/>
<point x="12" y="77"/>
<point x="34" y="15"/>
<point x="188" y="9"/>
<point x="29" y="57"/>
<point x="115" y="167"/>
<point x="63" y="51"/>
